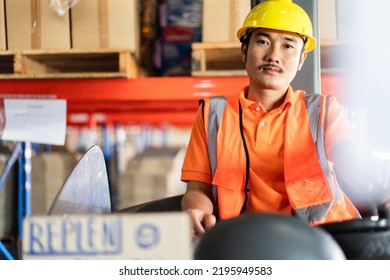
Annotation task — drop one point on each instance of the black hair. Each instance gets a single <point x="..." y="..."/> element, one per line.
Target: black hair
<point x="246" y="37"/>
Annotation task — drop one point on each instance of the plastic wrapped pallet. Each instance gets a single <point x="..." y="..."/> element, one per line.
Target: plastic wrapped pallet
<point x="180" y="26"/>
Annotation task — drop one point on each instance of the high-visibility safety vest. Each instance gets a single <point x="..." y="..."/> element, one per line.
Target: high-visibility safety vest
<point x="311" y="185"/>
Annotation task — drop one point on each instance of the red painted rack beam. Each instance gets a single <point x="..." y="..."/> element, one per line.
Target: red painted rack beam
<point x="151" y="99"/>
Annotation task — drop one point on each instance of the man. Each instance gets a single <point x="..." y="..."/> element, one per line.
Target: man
<point x="270" y="148"/>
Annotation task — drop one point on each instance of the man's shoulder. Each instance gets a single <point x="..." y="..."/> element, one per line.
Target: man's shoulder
<point x="313" y="97"/>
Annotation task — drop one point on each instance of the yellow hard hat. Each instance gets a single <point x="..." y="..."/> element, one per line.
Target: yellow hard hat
<point x="281" y="15"/>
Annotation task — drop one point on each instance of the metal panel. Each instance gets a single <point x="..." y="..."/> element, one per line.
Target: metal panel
<point x="309" y="78"/>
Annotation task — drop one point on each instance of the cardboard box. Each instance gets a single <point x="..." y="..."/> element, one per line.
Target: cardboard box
<point x="33" y="24"/>
<point x="221" y="19"/>
<point x="118" y="236"/>
<point x="106" y="24"/>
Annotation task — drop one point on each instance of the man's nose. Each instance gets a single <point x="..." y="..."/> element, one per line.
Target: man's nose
<point x="272" y="55"/>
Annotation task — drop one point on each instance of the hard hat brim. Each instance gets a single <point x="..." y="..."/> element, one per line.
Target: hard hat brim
<point x="309" y="46"/>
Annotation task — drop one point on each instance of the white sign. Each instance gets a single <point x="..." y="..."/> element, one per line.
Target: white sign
<point x="35" y="120"/>
<point x="157" y="236"/>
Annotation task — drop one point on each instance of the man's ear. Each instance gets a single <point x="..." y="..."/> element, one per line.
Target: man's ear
<point x="302" y="59"/>
<point x="244" y="50"/>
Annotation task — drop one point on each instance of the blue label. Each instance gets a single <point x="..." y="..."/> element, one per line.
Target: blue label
<point x="147" y="236"/>
<point x="74" y="236"/>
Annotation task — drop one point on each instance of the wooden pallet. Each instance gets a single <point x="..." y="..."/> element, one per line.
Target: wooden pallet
<point x="217" y="59"/>
<point x="40" y="64"/>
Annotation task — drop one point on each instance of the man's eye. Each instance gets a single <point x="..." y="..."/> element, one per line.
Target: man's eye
<point x="262" y="42"/>
<point x="288" y="46"/>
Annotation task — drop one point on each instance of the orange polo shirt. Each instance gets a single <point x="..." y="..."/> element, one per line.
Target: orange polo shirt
<point x="264" y="135"/>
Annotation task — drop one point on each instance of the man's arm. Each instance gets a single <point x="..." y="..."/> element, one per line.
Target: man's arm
<point x="198" y="203"/>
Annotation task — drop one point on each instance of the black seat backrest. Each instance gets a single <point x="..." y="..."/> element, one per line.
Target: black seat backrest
<point x="168" y="204"/>
<point x="261" y="236"/>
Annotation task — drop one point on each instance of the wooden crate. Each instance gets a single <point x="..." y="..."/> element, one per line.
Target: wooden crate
<point x="40" y="64"/>
<point x="217" y="59"/>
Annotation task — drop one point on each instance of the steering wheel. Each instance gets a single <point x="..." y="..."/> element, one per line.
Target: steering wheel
<point x="363" y="239"/>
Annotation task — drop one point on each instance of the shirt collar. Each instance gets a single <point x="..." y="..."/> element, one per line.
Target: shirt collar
<point x="290" y="99"/>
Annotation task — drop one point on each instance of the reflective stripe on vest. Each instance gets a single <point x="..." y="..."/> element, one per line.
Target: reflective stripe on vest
<point x="316" y="116"/>
<point x="314" y="109"/>
<point x="217" y="107"/>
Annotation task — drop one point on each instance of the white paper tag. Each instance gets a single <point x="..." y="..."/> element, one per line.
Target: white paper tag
<point x="35" y="120"/>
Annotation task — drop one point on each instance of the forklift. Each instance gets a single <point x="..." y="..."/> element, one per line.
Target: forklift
<point x="258" y="236"/>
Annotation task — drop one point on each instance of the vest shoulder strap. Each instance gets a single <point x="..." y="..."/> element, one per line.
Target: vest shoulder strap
<point x="216" y="109"/>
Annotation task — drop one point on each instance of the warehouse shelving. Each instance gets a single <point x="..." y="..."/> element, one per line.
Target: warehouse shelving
<point x="21" y="158"/>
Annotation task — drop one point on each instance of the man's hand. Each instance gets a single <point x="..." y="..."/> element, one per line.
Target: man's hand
<point x="201" y="221"/>
<point x="197" y="202"/>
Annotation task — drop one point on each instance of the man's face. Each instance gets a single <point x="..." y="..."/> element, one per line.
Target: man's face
<point x="272" y="58"/>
